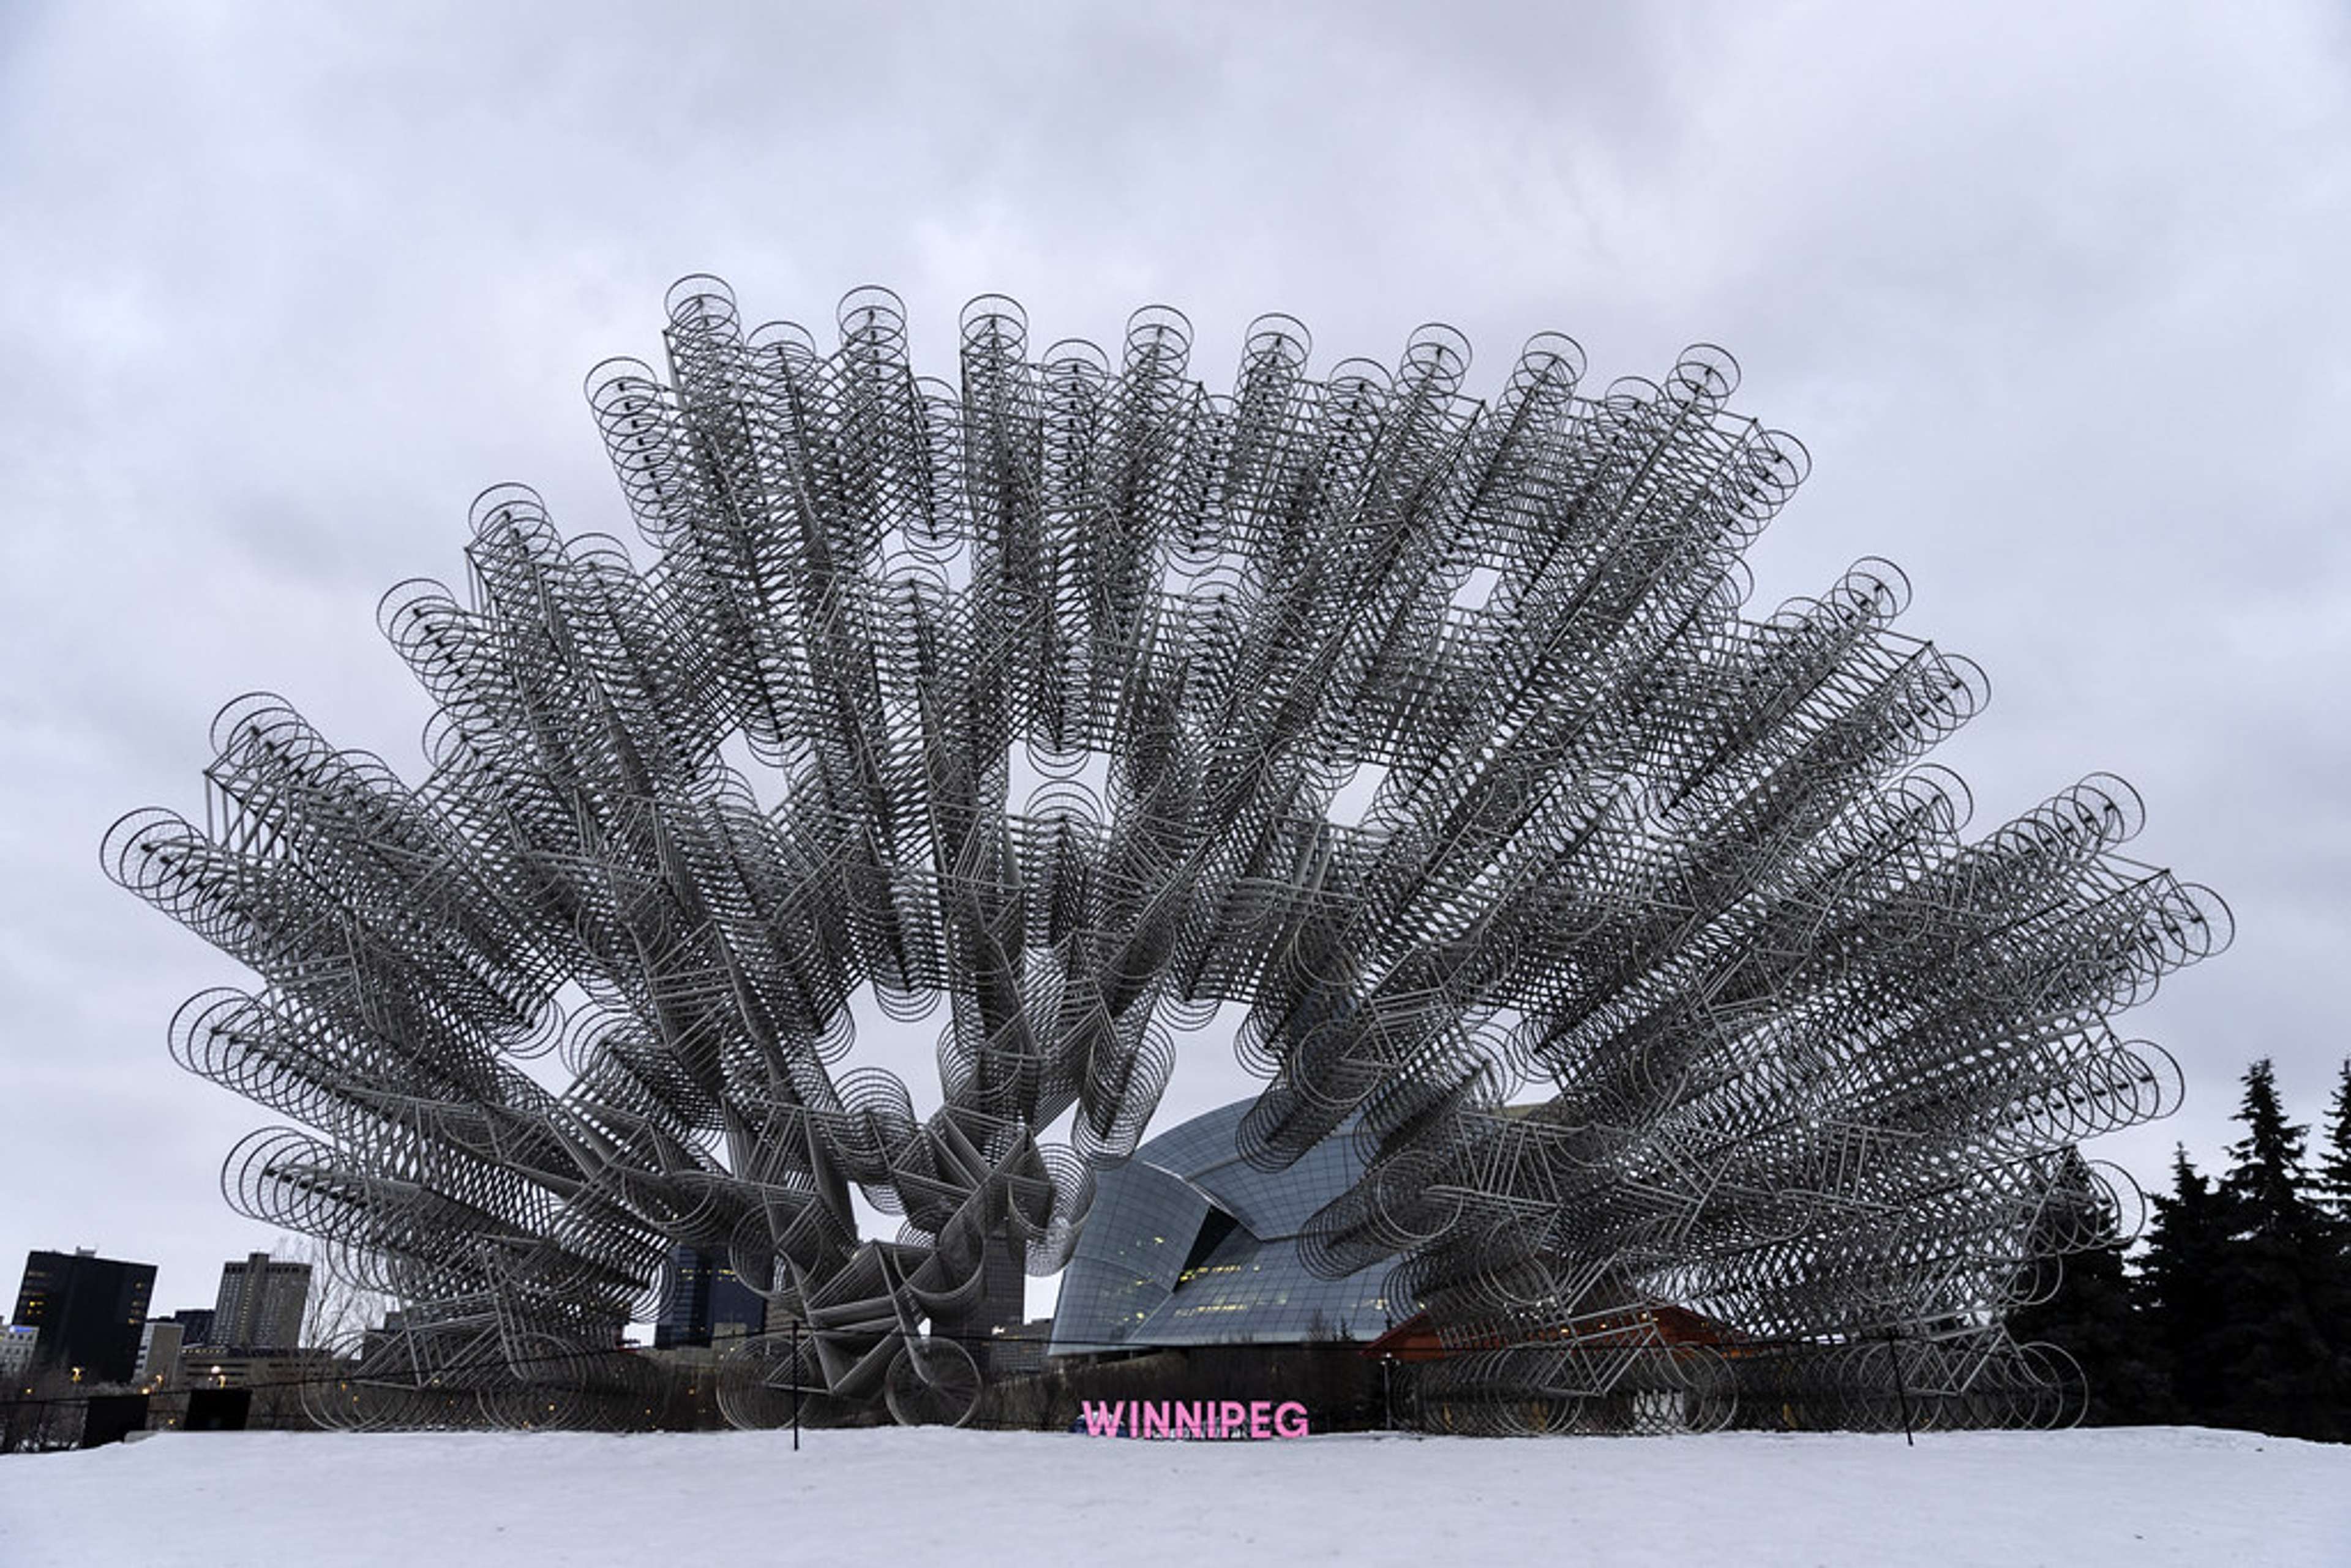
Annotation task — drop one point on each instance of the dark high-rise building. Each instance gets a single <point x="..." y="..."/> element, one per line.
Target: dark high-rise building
<point x="996" y="1310"/>
<point x="197" y="1323"/>
<point x="90" y="1311"/>
<point x="701" y="1299"/>
<point x="261" y="1304"/>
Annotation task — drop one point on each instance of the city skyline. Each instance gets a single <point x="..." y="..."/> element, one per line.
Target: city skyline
<point x="2094" y="448"/>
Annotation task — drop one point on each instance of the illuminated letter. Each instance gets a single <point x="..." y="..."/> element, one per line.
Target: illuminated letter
<point x="1101" y="1420"/>
<point x="1260" y="1412"/>
<point x="1289" y="1419"/>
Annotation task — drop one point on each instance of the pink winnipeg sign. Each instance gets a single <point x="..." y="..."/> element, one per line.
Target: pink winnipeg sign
<point x="1193" y="1418"/>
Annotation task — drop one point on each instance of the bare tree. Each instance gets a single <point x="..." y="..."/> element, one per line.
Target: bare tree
<point x="338" y="1312"/>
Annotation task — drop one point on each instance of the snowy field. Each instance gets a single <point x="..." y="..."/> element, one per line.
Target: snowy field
<point x="2136" y="1497"/>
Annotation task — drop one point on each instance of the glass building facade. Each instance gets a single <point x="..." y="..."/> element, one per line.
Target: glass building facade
<point x="703" y="1301"/>
<point x="1188" y="1244"/>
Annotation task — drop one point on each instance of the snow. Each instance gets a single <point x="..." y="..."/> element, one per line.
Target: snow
<point x="2139" y="1495"/>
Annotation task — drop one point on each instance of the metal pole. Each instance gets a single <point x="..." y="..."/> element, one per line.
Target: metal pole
<point x="1901" y="1389"/>
<point x="796" y="1386"/>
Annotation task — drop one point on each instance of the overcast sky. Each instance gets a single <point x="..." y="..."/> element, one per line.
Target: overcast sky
<point x="2054" y="296"/>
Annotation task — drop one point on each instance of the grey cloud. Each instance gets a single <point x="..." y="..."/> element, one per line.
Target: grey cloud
<point x="2053" y="297"/>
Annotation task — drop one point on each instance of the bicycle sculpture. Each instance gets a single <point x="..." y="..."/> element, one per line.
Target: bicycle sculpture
<point x="1074" y="703"/>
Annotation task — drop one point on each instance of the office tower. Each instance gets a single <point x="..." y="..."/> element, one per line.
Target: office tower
<point x="90" y="1311"/>
<point x="701" y="1299"/>
<point x="261" y="1304"/>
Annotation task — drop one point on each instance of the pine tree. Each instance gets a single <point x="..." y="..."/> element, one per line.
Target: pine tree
<point x="2181" y="1295"/>
<point x="2278" y="1281"/>
<point x="2093" y="1315"/>
<point x="2334" y="1163"/>
<point x="2335" y="1199"/>
<point x="2268" y="1175"/>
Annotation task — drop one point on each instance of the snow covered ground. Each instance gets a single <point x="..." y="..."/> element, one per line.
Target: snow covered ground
<point x="2136" y="1497"/>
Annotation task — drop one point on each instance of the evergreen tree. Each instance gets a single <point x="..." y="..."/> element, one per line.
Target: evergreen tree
<point x="2335" y="1199"/>
<point x="2334" y="1163"/>
<point x="2278" y="1274"/>
<point x="2093" y="1315"/>
<point x="2181" y="1295"/>
<point x="2268" y="1175"/>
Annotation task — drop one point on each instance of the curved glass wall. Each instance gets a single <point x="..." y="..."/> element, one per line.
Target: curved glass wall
<point x="1188" y="1244"/>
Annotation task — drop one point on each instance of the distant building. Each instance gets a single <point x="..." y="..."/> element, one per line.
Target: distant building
<point x="261" y="1304"/>
<point x="990" y="1327"/>
<point x="90" y="1311"/>
<point x="17" y="1353"/>
<point x="208" y="1366"/>
<point x="372" y="1342"/>
<point x="702" y="1300"/>
<point x="280" y="1381"/>
<point x="1017" y="1349"/>
<point x="195" y="1325"/>
<point x="159" y="1350"/>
